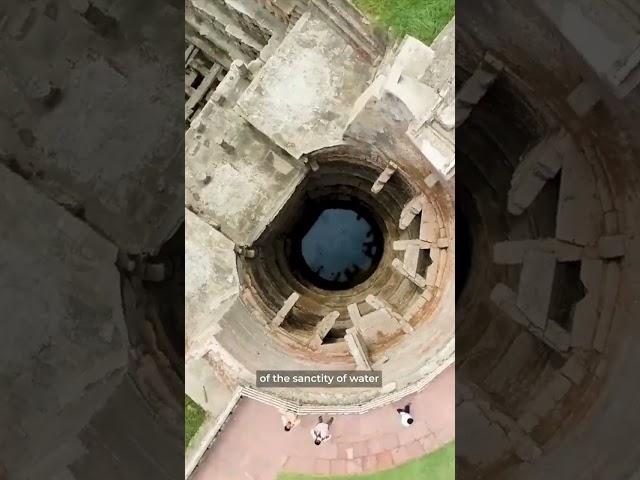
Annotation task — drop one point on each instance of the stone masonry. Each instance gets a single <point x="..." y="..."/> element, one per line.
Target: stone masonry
<point x="293" y="85"/>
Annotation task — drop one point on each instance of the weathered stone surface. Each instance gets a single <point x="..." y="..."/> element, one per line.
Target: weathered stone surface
<point x="377" y="325"/>
<point x="231" y="87"/>
<point x="204" y="387"/>
<point x="429" y="228"/>
<point x="406" y="244"/>
<point x="512" y="362"/>
<point x="211" y="282"/>
<point x="418" y="97"/>
<point x="241" y="336"/>
<point x="544" y="401"/>
<point x="64" y="344"/>
<point x="432" y="269"/>
<point x="323" y="327"/>
<point x="416" y="278"/>
<point x="413" y="57"/>
<point x="554" y="336"/>
<point x="380" y="304"/>
<point x="439" y="152"/>
<point x="583" y="98"/>
<point x="288" y="304"/>
<point x="557" y="336"/>
<point x="358" y="349"/>
<point x="114" y="159"/>
<point x="411" y="257"/>
<point x="384" y="178"/>
<point x="414" y="308"/>
<point x="491" y="442"/>
<point x="439" y="72"/>
<point x="537" y="166"/>
<point x="586" y="310"/>
<point x="611" y="247"/>
<point x="240" y="190"/>
<point x="327" y="76"/>
<point x="574" y="370"/>
<point x="476" y="87"/>
<point x="602" y="25"/>
<point x="512" y="252"/>
<point x="354" y="314"/>
<point x="270" y="122"/>
<point x="410" y="210"/>
<point x="609" y="301"/>
<point x="579" y="210"/>
<point x="536" y="282"/>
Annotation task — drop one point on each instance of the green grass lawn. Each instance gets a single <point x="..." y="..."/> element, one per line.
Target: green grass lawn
<point x="194" y="415"/>
<point x="422" y="19"/>
<point x="438" y="465"/>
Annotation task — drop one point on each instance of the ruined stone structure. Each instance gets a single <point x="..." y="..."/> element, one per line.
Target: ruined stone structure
<point x="91" y="242"/>
<point x="547" y="215"/>
<point x="305" y="106"/>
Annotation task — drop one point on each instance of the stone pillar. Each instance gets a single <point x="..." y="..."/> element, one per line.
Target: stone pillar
<point x="384" y="177"/>
<point x="358" y="349"/>
<point x="286" y="308"/>
<point x="322" y="329"/>
<point x="537" y="166"/>
<point x="476" y="87"/>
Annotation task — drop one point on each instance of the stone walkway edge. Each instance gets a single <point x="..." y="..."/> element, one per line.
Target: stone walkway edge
<point x="206" y="435"/>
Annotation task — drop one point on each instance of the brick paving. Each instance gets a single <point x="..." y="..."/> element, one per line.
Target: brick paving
<point x="254" y="446"/>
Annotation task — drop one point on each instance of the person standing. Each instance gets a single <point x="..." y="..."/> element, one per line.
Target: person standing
<point x="320" y="433"/>
<point x="405" y="415"/>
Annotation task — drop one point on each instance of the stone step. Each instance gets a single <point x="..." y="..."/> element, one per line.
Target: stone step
<point x="209" y="50"/>
<point x="217" y="35"/>
<point x="357" y="21"/>
<point x="229" y="22"/>
<point x="345" y="28"/>
<point x="263" y="18"/>
<point x="56" y="460"/>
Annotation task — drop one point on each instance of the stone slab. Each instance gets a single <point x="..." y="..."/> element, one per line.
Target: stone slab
<point x="378" y="324"/>
<point x="411" y="257"/>
<point x="204" y="387"/>
<point x="491" y="442"/>
<point x="211" y="282"/>
<point x="64" y="337"/>
<point x="586" y="310"/>
<point x="303" y="96"/>
<point x="536" y="282"/>
<point x="234" y="177"/>
<point x="579" y="216"/>
<point x="285" y="309"/>
<point x="119" y="155"/>
<point x="358" y="348"/>
<point x="322" y="329"/>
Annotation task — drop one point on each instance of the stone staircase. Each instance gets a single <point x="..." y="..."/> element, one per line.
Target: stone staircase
<point x="231" y="29"/>
<point x="352" y="25"/>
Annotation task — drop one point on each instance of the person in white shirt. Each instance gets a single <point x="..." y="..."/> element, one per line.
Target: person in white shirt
<point x="320" y="432"/>
<point x="289" y="420"/>
<point x="405" y="415"/>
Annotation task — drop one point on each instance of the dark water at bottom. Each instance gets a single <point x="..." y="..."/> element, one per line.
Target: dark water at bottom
<point x="341" y="246"/>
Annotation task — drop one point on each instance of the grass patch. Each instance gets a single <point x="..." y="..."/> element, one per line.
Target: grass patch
<point x="438" y="465"/>
<point x="422" y="19"/>
<point x="194" y="415"/>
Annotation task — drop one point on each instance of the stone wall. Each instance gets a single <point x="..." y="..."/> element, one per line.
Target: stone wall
<point x="545" y="309"/>
<point x="299" y="113"/>
<point x="88" y="143"/>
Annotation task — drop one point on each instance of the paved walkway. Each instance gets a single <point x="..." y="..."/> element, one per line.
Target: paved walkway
<point x="254" y="446"/>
